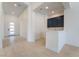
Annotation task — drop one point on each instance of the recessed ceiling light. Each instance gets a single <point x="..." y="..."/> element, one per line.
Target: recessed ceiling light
<point x="15" y="5"/>
<point x="46" y="7"/>
<point x="52" y="12"/>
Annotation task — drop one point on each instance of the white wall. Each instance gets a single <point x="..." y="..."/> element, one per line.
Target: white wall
<point x="55" y="40"/>
<point x="52" y="40"/>
<point x="1" y="25"/>
<point x="30" y="34"/>
<point x="38" y="25"/>
<point x="23" y="18"/>
<point x="61" y="40"/>
<point x="35" y="24"/>
<point x="8" y="19"/>
<point x="72" y="24"/>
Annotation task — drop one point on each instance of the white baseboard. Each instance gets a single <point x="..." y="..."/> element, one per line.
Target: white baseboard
<point x="73" y="44"/>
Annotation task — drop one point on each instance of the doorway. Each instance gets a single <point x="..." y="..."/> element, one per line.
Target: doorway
<point x="11" y="29"/>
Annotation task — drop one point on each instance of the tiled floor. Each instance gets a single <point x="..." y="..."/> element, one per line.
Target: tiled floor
<point x="19" y="47"/>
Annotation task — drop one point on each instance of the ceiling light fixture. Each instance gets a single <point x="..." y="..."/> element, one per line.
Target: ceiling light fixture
<point x="52" y="12"/>
<point x="15" y="5"/>
<point x="46" y="7"/>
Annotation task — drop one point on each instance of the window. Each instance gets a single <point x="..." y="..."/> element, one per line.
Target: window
<point x="11" y="28"/>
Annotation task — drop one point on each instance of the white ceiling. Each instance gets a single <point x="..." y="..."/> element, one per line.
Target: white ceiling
<point x="52" y="6"/>
<point x="9" y="8"/>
